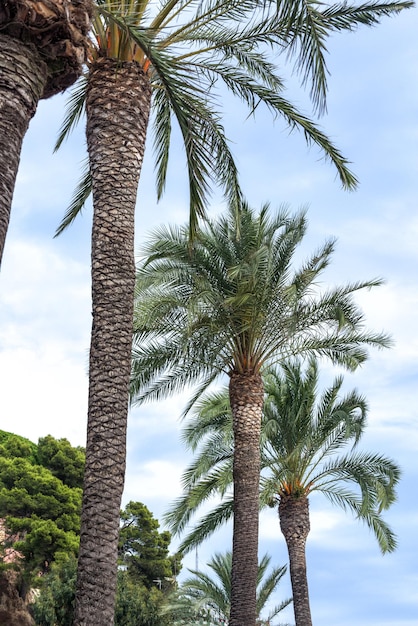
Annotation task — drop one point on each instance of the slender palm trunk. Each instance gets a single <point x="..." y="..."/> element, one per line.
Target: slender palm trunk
<point x="23" y="76"/>
<point x="118" y="103"/>
<point x="295" y="526"/>
<point x="246" y="396"/>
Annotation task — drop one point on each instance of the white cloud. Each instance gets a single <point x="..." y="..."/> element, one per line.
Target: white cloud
<point x="44" y="339"/>
<point x="43" y="394"/>
<point x="153" y="480"/>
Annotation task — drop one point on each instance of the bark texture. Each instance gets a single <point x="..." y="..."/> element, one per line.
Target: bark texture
<point x="246" y="396"/>
<point x="23" y="77"/>
<point x="43" y="45"/>
<point x="58" y="29"/>
<point x="295" y="526"/>
<point x="118" y="103"/>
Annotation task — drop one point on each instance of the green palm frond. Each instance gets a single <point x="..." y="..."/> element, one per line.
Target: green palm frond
<point x="267" y="584"/>
<point x="228" y="302"/>
<point x="207" y="525"/>
<point x="191" y="48"/>
<point x="80" y="197"/>
<point x="211" y="590"/>
<point x="202" y="586"/>
<point x="215" y="483"/>
<point x="211" y="415"/>
<point x="74" y="110"/>
<point x="179" y="93"/>
<point x="305" y="26"/>
<point x="218" y="485"/>
<point x="162" y="138"/>
<point x="208" y="156"/>
<point x="308" y="441"/>
<point x="385" y="536"/>
<point x="254" y="94"/>
<point x="212" y="474"/>
<point x="162" y="367"/>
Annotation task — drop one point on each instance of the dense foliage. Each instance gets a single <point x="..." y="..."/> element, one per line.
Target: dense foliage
<point x="40" y="499"/>
<point x="144" y="550"/>
<point x="55" y="603"/>
<point x="64" y="461"/>
<point x="146" y="574"/>
<point x="135" y="604"/>
<point x="13" y="445"/>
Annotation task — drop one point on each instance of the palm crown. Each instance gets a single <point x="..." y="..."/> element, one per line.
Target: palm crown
<point x="231" y="302"/>
<point x="308" y="444"/>
<point x="211" y="595"/>
<point x="188" y="48"/>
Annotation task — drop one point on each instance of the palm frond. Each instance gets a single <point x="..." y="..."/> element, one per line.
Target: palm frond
<point x="80" y="197"/>
<point x="74" y="110"/>
<point x="253" y="93"/>
<point x="208" y="157"/>
<point x="371" y="517"/>
<point x="211" y="415"/>
<point x="212" y="521"/>
<point x="306" y="25"/>
<point x="302" y="439"/>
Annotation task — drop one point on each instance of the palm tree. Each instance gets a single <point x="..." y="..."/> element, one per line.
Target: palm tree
<point x="42" y="48"/>
<point x="135" y="58"/>
<point x="303" y="443"/>
<point x="203" y="595"/>
<point x="229" y="303"/>
<point x="166" y="60"/>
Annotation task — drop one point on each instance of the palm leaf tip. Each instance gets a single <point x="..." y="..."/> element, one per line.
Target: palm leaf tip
<point x="74" y="110"/>
<point x="80" y="197"/>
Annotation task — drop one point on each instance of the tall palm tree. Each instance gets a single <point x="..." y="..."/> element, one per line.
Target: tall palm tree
<point x="202" y="594"/>
<point x="43" y="46"/>
<point x="166" y="59"/>
<point x="307" y="445"/>
<point x="141" y="59"/>
<point x="229" y="303"/>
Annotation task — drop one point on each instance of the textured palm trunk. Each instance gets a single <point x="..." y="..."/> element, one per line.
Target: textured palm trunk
<point x="42" y="49"/>
<point x="295" y="526"/>
<point x="246" y="396"/>
<point x="23" y="77"/>
<point x="118" y="104"/>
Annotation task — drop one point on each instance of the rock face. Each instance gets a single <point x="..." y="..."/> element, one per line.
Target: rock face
<point x="13" y="610"/>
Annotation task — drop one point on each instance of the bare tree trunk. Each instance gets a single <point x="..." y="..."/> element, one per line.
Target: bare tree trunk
<point x="246" y="396"/>
<point x="295" y="526"/>
<point x="118" y="103"/>
<point x="23" y="77"/>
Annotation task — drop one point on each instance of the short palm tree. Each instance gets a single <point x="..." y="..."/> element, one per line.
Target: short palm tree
<point x="230" y="303"/>
<point x="307" y="445"/>
<point x="43" y="46"/>
<point x="165" y="61"/>
<point x="211" y="597"/>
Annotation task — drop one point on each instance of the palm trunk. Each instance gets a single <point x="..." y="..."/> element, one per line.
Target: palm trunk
<point x="295" y="526"/>
<point x="23" y="76"/>
<point x="118" y="104"/>
<point x="42" y="49"/>
<point x="246" y="396"/>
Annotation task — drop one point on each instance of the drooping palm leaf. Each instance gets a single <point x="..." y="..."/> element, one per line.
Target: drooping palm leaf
<point x="220" y="41"/>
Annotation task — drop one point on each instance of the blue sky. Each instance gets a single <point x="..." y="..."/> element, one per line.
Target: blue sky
<point x="45" y="303"/>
